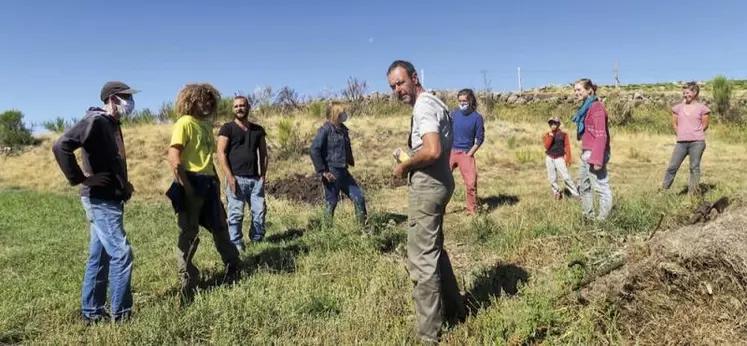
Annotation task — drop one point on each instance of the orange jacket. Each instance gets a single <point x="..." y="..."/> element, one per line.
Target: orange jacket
<point x="547" y="139"/>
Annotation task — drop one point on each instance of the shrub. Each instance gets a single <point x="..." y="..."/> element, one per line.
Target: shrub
<point x="13" y="131"/>
<point x="291" y="144"/>
<point x="525" y="156"/>
<point x="317" y="109"/>
<point x="620" y="111"/>
<point x="58" y="125"/>
<point x="262" y="98"/>
<point x="354" y="93"/>
<point x="141" y="117"/>
<point x="722" y="92"/>
<point x="167" y="112"/>
<point x="287" y="100"/>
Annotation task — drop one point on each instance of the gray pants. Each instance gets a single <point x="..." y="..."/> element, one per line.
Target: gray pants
<point x="695" y="150"/>
<point x="599" y="181"/>
<point x="555" y="167"/>
<point x="436" y="292"/>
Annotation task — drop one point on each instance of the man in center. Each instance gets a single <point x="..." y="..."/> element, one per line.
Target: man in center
<point x="242" y="153"/>
<point x="430" y="187"/>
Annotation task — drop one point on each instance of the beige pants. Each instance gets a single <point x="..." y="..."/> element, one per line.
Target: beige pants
<point x="436" y="292"/>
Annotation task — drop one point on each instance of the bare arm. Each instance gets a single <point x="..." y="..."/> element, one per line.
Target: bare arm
<point x="263" y="159"/>
<point x="473" y="150"/>
<point x="222" y="159"/>
<point x="674" y="122"/>
<point x="706" y="119"/>
<point x="177" y="168"/>
<point x="427" y="155"/>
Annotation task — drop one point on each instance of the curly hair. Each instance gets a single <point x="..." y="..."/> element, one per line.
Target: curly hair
<point x="194" y="96"/>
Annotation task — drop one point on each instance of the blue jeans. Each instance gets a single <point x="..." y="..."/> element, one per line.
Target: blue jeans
<point x="250" y="190"/>
<point x="109" y="261"/>
<point x="346" y="183"/>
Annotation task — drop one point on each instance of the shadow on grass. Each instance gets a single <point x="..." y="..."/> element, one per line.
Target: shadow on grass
<point x="491" y="203"/>
<point x="703" y="188"/>
<point x="274" y="259"/>
<point x="503" y="278"/>
<point x="288" y="235"/>
<point x="389" y="241"/>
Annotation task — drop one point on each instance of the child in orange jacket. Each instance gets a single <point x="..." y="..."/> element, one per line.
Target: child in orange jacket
<point x="558" y="150"/>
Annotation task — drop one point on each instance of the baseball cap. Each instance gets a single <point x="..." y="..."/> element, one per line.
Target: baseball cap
<point x="114" y="88"/>
<point x="554" y="119"/>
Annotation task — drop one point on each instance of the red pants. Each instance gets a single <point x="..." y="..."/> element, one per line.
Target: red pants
<point x="468" y="169"/>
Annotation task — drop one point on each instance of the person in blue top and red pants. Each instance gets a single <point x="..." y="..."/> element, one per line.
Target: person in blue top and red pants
<point x="468" y="130"/>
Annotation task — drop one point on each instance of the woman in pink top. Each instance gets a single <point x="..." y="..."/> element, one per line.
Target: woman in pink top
<point x="689" y="121"/>
<point x="593" y="131"/>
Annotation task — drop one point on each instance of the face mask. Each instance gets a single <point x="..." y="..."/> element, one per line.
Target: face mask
<point x="125" y="107"/>
<point x="344" y="117"/>
<point x="463" y="108"/>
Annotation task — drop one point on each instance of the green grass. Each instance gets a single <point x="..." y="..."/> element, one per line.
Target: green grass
<point x="331" y="285"/>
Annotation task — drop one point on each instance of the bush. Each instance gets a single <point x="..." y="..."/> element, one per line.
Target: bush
<point x="13" y="131"/>
<point x="620" y="111"/>
<point x="287" y="100"/>
<point x="262" y="98"/>
<point x="291" y="144"/>
<point x="317" y="109"/>
<point x="142" y="117"/>
<point x="59" y="125"/>
<point x="722" y="92"/>
<point x="167" y="112"/>
<point x="354" y="93"/>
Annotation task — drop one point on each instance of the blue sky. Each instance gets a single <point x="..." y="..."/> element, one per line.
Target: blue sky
<point x="56" y="55"/>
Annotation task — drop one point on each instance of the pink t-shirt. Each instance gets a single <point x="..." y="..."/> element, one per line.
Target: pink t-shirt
<point x="690" y="121"/>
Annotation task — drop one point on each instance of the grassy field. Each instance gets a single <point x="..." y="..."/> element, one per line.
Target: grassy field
<point x="334" y="286"/>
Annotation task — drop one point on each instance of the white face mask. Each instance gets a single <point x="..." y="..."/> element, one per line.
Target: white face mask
<point x="125" y="107"/>
<point x="344" y="117"/>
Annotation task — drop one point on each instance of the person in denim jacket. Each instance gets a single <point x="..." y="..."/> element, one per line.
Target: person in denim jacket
<point x="332" y="154"/>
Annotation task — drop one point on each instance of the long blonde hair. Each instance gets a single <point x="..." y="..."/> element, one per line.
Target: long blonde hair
<point x="334" y="111"/>
<point x="193" y="94"/>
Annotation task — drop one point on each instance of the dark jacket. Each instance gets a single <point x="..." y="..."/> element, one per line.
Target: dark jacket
<point x="100" y="137"/>
<point x="331" y="148"/>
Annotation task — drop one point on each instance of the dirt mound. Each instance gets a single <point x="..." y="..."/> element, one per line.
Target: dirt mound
<point x="309" y="189"/>
<point x="297" y="188"/>
<point x="682" y="287"/>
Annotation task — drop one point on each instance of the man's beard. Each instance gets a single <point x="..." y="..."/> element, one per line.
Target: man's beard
<point x="240" y="116"/>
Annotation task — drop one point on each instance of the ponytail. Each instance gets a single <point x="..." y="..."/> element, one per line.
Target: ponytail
<point x="588" y="85"/>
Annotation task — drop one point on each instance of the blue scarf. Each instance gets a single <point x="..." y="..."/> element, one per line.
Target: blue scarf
<point x="581" y="115"/>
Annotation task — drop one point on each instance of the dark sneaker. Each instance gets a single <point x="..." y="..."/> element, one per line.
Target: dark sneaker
<point x="89" y="321"/>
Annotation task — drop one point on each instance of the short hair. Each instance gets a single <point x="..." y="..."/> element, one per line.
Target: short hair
<point x="471" y="99"/>
<point x="587" y="84"/>
<point x="692" y="86"/>
<point x="242" y="97"/>
<point x="191" y="94"/>
<point x="409" y="68"/>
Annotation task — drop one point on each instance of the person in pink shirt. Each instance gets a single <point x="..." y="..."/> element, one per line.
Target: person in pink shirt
<point x="689" y="121"/>
<point x="593" y="131"/>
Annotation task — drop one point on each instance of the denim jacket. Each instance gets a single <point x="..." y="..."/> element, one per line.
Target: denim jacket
<point x="331" y="148"/>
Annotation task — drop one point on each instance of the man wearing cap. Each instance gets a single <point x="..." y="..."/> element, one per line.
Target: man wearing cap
<point x="430" y="187"/>
<point x="104" y="190"/>
<point x="558" y="151"/>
